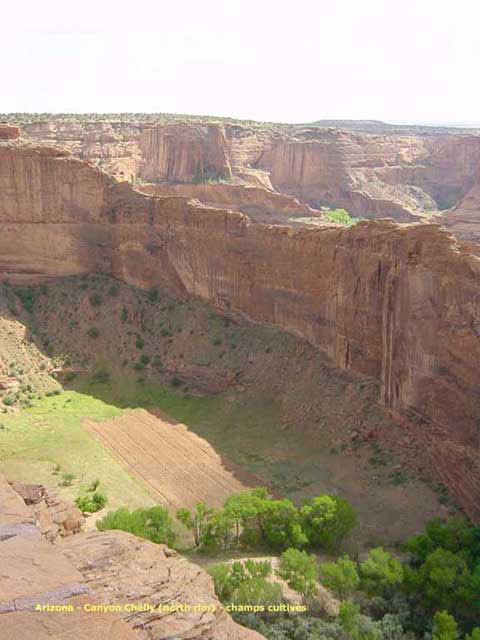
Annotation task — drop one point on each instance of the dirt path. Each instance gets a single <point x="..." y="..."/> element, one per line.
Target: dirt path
<point x="178" y="467"/>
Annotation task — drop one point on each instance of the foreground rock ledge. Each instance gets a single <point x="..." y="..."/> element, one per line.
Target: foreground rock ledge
<point x="86" y="571"/>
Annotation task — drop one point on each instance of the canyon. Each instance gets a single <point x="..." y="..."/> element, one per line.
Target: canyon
<point x="400" y="174"/>
<point x="391" y="302"/>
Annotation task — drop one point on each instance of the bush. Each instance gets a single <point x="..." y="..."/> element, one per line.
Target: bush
<point x="93" y="332"/>
<point x="381" y="573"/>
<point x="9" y="400"/>
<point x="27" y="298"/>
<point x="124" y="315"/>
<point x="139" y="343"/>
<point x="327" y="520"/>
<point x="96" y="300"/>
<point x="152" y="524"/>
<point x="153" y="295"/>
<point x="299" y="570"/>
<point x="175" y="382"/>
<point x="91" y="504"/>
<point x="113" y="291"/>
<point x="93" y="486"/>
<point x="144" y="359"/>
<point x="67" y="479"/>
<point x="340" y="577"/>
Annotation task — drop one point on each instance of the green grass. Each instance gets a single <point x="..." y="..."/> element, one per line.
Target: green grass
<point x="51" y="433"/>
<point x="242" y="427"/>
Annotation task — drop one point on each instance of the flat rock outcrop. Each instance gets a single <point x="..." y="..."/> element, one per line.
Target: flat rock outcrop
<point x="400" y="303"/>
<point x="122" y="569"/>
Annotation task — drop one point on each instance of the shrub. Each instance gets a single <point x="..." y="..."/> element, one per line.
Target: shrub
<point x="96" y="300"/>
<point x="144" y="359"/>
<point x="67" y="479"/>
<point x="175" y="382"/>
<point x="91" y="504"/>
<point x="93" y="332"/>
<point x="153" y="295"/>
<point x="9" y="400"/>
<point x="93" y="486"/>
<point x="27" y="298"/>
<point x="139" y="342"/>
<point x="340" y="577"/>
<point x="152" y="524"/>
<point x="299" y="570"/>
<point x="380" y="573"/>
<point x="113" y="291"/>
<point x="124" y="315"/>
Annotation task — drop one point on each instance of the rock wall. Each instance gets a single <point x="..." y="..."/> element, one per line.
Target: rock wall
<point x="372" y="176"/>
<point x="398" y="303"/>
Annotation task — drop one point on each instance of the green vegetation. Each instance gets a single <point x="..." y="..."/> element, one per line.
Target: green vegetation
<point x="154" y="523"/>
<point x="340" y="577"/>
<point x="299" y="570"/>
<point x="245" y="584"/>
<point x="42" y="440"/>
<point x="93" y="332"/>
<point x="91" y="504"/>
<point x="340" y="216"/>
<point x="253" y="519"/>
<point x="27" y="297"/>
<point x="96" y="300"/>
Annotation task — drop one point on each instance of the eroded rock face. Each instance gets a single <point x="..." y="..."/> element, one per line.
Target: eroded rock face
<point x="9" y="132"/>
<point x="93" y="570"/>
<point x="398" y="303"/>
<point x="372" y="176"/>
<point x="120" y="568"/>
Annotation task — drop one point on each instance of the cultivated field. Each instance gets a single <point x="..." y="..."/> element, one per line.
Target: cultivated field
<point x="178" y="467"/>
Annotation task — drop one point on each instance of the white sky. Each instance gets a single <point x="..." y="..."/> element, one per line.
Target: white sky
<point x="295" y="61"/>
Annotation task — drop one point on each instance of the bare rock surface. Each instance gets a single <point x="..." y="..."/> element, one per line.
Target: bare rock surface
<point x="120" y="568"/>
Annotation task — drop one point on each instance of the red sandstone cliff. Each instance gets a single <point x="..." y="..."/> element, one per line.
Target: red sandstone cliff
<point x="400" y="303"/>
<point x="373" y="176"/>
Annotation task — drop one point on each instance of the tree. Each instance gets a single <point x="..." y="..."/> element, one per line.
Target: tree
<point x="441" y="581"/>
<point x="219" y="529"/>
<point x="475" y="635"/>
<point x="327" y="520"/>
<point x="340" y="577"/>
<point x="444" y="626"/>
<point x="281" y="526"/>
<point x="196" y="522"/>
<point x="299" y="570"/>
<point x="243" y="508"/>
<point x="380" y="573"/>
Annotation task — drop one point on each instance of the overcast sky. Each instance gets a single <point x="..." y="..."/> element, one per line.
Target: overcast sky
<point x="295" y="61"/>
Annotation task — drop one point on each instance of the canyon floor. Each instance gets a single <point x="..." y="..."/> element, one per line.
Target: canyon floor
<point x="163" y="399"/>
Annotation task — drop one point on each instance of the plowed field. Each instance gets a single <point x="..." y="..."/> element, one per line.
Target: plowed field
<point x="178" y="467"/>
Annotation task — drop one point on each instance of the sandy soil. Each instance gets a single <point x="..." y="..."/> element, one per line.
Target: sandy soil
<point x="178" y="467"/>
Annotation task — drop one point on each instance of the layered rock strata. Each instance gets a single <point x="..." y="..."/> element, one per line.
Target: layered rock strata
<point x="397" y="303"/>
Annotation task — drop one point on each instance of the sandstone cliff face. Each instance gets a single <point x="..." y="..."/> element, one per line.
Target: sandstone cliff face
<point x="372" y="176"/>
<point x="113" y="568"/>
<point x="401" y="304"/>
<point x="9" y="132"/>
<point x="259" y="203"/>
